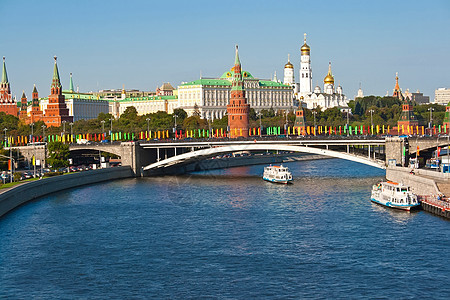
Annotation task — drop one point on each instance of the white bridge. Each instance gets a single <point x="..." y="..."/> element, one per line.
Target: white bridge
<point x="358" y="150"/>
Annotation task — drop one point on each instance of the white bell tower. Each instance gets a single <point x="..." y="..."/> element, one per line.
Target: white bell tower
<point x="305" y="69"/>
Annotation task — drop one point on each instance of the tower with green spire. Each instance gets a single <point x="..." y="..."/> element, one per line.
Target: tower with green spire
<point x="300" y="123"/>
<point x="56" y="111"/>
<point x="5" y="90"/>
<point x="238" y="109"/>
<point x="71" y="84"/>
<point x="7" y="104"/>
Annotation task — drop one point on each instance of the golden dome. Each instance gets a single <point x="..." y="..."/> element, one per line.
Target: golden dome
<point x="329" y="79"/>
<point x="305" y="48"/>
<point x="289" y="65"/>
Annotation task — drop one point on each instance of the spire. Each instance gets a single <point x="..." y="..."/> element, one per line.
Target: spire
<point x="71" y="84"/>
<point x="237" y="61"/>
<point x="4" y="75"/>
<point x="23" y="95"/>
<point x="329" y="69"/>
<point x="397" y="87"/>
<point x="34" y="89"/>
<point x="304" y="37"/>
<point x="289" y="58"/>
<point x="56" y="81"/>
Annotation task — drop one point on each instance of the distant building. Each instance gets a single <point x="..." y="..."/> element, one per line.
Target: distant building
<point x="397" y="91"/>
<point x="442" y="96"/>
<point x="360" y="92"/>
<point x="419" y="98"/>
<point x="165" y="90"/>
<point x="116" y="94"/>
<point x="144" y="105"/>
<point x="7" y="103"/>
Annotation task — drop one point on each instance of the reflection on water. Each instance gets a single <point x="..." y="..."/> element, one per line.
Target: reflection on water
<point x="224" y="234"/>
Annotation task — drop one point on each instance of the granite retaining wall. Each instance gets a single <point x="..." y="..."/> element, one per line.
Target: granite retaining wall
<point x="28" y="191"/>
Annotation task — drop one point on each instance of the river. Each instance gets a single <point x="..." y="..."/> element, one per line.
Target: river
<point x="225" y="234"/>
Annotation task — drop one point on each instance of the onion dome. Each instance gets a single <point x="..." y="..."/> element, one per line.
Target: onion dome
<point x="329" y="79"/>
<point x="288" y="65"/>
<point x="305" y="49"/>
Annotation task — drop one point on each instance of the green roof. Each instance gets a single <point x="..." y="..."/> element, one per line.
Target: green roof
<point x="272" y="83"/>
<point x="209" y="82"/>
<point x="71" y="95"/>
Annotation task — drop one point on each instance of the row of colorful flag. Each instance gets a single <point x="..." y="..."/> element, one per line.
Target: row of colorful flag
<point x="216" y="133"/>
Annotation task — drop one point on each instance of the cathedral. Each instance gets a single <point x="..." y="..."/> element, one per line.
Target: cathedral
<point x="330" y="96"/>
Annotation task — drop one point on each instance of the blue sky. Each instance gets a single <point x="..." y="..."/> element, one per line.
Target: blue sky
<point x="141" y="44"/>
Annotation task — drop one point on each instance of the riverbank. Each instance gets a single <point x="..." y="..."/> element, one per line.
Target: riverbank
<point x="430" y="186"/>
<point x="18" y="195"/>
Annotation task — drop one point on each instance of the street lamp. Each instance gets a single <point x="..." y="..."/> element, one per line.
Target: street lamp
<point x="148" y="124"/>
<point x="431" y="116"/>
<point x="175" y="128"/>
<point x="111" y="131"/>
<point x="5" y="134"/>
<point x="103" y="125"/>
<point x="71" y="128"/>
<point x="64" y="126"/>
<point x="260" y="125"/>
<point x="32" y="130"/>
<point x="43" y="132"/>
<point x="371" y="119"/>
<point x="314" y="113"/>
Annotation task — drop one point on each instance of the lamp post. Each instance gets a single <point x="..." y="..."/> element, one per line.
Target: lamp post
<point x="5" y="134"/>
<point x="111" y="132"/>
<point x="148" y="124"/>
<point x="260" y="125"/>
<point x="43" y="132"/>
<point x="32" y="130"/>
<point x="71" y="128"/>
<point x="371" y="119"/>
<point x="175" y="128"/>
<point x="103" y="125"/>
<point x="431" y="119"/>
<point x="314" y="113"/>
<point x="64" y="126"/>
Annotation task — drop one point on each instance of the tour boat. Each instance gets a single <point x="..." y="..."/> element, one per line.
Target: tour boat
<point x="394" y="195"/>
<point x="278" y="174"/>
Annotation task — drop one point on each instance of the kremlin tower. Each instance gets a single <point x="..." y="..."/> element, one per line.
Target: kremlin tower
<point x="23" y="107"/>
<point x="36" y="113"/>
<point x="328" y="81"/>
<point x="289" y="73"/>
<point x="300" y="122"/>
<point x="7" y="104"/>
<point x="238" y="109"/>
<point x="56" y="111"/>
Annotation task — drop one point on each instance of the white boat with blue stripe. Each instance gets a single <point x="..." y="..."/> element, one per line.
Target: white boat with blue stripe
<point x="277" y="174"/>
<point x="394" y="195"/>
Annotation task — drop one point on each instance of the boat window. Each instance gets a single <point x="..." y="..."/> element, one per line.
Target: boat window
<point x="404" y="189"/>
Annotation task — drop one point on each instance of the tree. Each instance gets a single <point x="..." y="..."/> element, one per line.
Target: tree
<point x="58" y="154"/>
<point x="181" y="114"/>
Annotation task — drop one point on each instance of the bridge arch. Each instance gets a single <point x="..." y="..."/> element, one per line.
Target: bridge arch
<point x="214" y="151"/>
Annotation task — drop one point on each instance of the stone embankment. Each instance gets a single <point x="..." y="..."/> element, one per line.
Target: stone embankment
<point x="23" y="193"/>
<point x="433" y="188"/>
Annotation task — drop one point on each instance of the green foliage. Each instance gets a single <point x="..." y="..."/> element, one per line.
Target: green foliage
<point x="181" y="115"/>
<point x="58" y="154"/>
<point x="195" y="122"/>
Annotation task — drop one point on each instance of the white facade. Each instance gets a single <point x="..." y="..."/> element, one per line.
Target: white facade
<point x="81" y="106"/>
<point x="144" y="105"/>
<point x="442" y="96"/>
<point x="210" y="96"/>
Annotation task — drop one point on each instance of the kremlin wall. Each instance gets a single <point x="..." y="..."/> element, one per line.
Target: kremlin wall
<point x="232" y="94"/>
